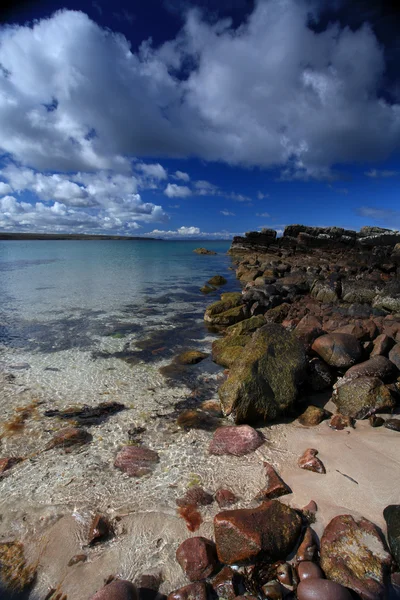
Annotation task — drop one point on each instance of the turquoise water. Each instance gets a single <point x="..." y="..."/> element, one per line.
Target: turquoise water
<point x="57" y="295"/>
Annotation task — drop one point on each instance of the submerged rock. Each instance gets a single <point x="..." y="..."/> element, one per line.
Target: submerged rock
<point x="14" y="571"/>
<point x="198" y="558"/>
<point x="225" y="498"/>
<point x="191" y="357"/>
<point x="392" y="518"/>
<point x="8" y="463"/>
<point x="217" y="280"/>
<point x="68" y="438"/>
<point x="100" y="529"/>
<point x="271" y="529"/>
<point x="353" y="554"/>
<point x="88" y="415"/>
<point x="362" y="397"/>
<point x="203" y="251"/>
<point x="339" y="350"/>
<point x="195" y="496"/>
<point x="193" y="591"/>
<point x="275" y="486"/>
<point x="264" y="381"/>
<point x="136" y="461"/>
<point x="236" y="440"/>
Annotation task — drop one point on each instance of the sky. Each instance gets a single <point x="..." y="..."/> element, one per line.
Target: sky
<point x="198" y="118"/>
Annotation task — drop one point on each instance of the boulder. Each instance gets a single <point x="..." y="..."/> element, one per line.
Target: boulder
<point x="264" y="381"/>
<point x="228" y="300"/>
<point x="118" y="589"/>
<point x="275" y="486"/>
<point x="361" y="397"/>
<point x="393" y="424"/>
<point x="203" y="251"/>
<point x="308" y="329"/>
<point x="377" y="366"/>
<point x="272" y="529"/>
<point x="394" y="355"/>
<point x="136" y="461"/>
<point x="198" y="558"/>
<point x="236" y="440"/>
<point x="320" y="376"/>
<point x="229" y="348"/>
<point x="382" y="345"/>
<point x="392" y="518"/>
<point x="354" y="555"/>
<point x="339" y="350"/>
<point x="247" y="326"/>
<point x="228" y="317"/>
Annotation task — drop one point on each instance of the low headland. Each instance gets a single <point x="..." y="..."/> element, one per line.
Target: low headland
<point x="301" y="497"/>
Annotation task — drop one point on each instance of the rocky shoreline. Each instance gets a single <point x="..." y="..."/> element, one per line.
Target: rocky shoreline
<point x="311" y="346"/>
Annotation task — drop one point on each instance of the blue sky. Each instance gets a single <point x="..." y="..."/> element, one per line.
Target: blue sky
<point x="198" y="118"/>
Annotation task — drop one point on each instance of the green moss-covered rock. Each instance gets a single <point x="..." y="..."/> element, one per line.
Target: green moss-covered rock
<point x="229" y="348"/>
<point x="207" y="289"/>
<point x="277" y="314"/>
<point x="264" y="380"/>
<point x="190" y="357"/>
<point x="228" y="300"/>
<point x="217" y="280"/>
<point x="229" y="317"/>
<point x="247" y="326"/>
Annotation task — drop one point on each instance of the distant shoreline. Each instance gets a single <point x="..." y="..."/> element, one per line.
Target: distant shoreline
<point x="70" y="236"/>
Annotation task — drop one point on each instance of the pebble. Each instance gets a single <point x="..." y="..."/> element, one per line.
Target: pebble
<point x="309" y="461"/>
<point x="193" y="591"/>
<point x="136" y="461"/>
<point x="309" y="570"/>
<point x="100" y="529"/>
<point x="275" y="487"/>
<point x="375" y="421"/>
<point x="322" y="589"/>
<point x="307" y="548"/>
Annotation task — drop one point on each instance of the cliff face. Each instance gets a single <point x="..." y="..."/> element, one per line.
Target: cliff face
<point x="299" y="238"/>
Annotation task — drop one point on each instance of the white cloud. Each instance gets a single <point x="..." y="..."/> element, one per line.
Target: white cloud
<point x="227" y="213"/>
<point x="191" y="232"/>
<point x="264" y="214"/>
<point x="381" y="173"/>
<point x="273" y="93"/>
<point x="112" y="198"/>
<point x="262" y="196"/>
<point x="156" y="171"/>
<point x="182" y="176"/>
<point x="4" y="188"/>
<point x="177" y="191"/>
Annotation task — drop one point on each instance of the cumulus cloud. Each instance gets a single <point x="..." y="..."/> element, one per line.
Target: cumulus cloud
<point x="155" y="171"/>
<point x="4" y="188"/>
<point x="81" y="200"/>
<point x="381" y="173"/>
<point x="177" y="191"/>
<point x="262" y="196"/>
<point x="191" y="232"/>
<point x="227" y="213"/>
<point x="388" y="215"/>
<point x="270" y="93"/>
<point x="182" y="176"/>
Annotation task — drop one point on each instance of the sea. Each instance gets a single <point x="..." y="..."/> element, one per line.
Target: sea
<point x="83" y="323"/>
